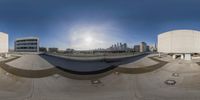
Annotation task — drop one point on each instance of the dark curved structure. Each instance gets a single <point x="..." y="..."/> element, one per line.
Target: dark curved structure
<point x="88" y="67"/>
<point x="84" y="75"/>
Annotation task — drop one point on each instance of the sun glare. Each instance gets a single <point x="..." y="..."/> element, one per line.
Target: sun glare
<point x="88" y="39"/>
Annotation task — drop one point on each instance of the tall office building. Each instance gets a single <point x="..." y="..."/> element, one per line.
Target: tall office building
<point x="119" y="47"/>
<point x="136" y="48"/>
<point x="143" y="47"/>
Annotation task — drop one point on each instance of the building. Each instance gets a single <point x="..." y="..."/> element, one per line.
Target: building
<point x="143" y="47"/>
<point x="147" y="48"/>
<point x="152" y="48"/>
<point x="3" y="42"/>
<point x="179" y="43"/>
<point x="119" y="47"/>
<point x="53" y="50"/>
<point x="136" y="48"/>
<point x="42" y="49"/>
<point x="27" y="44"/>
<point x="69" y="51"/>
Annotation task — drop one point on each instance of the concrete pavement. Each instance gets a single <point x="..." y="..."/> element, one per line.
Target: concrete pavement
<point x="122" y="86"/>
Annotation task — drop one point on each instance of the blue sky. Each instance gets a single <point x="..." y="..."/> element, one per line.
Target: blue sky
<point x="88" y="24"/>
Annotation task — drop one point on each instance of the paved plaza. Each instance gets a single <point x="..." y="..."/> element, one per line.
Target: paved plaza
<point x="117" y="84"/>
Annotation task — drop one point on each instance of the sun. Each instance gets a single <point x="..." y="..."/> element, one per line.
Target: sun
<point x="88" y="39"/>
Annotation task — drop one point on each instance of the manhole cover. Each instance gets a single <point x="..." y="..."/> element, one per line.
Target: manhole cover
<point x="116" y="73"/>
<point x="56" y="76"/>
<point x="170" y="82"/>
<point x="175" y="74"/>
<point x="95" y="81"/>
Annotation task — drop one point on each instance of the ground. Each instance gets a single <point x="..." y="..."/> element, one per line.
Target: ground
<point x="117" y="84"/>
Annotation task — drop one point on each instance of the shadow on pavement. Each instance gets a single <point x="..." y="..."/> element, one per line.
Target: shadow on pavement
<point x="143" y="69"/>
<point x="26" y="73"/>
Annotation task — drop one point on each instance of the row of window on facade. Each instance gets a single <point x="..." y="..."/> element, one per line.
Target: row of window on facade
<point x="26" y="47"/>
<point x="26" y="44"/>
<point x="27" y="40"/>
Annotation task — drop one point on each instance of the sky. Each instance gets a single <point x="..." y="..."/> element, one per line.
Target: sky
<point x="89" y="24"/>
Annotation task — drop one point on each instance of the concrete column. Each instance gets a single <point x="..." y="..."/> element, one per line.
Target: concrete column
<point x="174" y="56"/>
<point x="188" y="56"/>
<point x="182" y="56"/>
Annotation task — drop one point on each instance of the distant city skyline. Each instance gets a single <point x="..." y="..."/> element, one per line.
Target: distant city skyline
<point x="90" y="24"/>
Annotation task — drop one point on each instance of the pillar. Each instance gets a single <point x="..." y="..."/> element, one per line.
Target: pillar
<point x="188" y="56"/>
<point x="182" y="56"/>
<point x="174" y="56"/>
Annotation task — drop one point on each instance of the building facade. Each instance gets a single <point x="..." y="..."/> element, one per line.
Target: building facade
<point x="179" y="42"/>
<point x="119" y="47"/>
<point x="53" y="50"/>
<point x="3" y="42"/>
<point x="42" y="49"/>
<point x="136" y="48"/>
<point x="143" y="47"/>
<point x="27" y="44"/>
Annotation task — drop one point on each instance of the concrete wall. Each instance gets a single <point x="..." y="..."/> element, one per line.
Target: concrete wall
<point x="179" y="41"/>
<point x="3" y="42"/>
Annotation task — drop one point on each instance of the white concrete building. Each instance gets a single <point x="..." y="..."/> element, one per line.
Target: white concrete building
<point x="179" y="42"/>
<point x="27" y="44"/>
<point x="3" y="42"/>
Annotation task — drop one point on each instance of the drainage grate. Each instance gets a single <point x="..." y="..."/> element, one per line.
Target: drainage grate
<point x="56" y="76"/>
<point x="170" y="82"/>
<point x="175" y="74"/>
<point x="95" y="81"/>
<point x="116" y="73"/>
